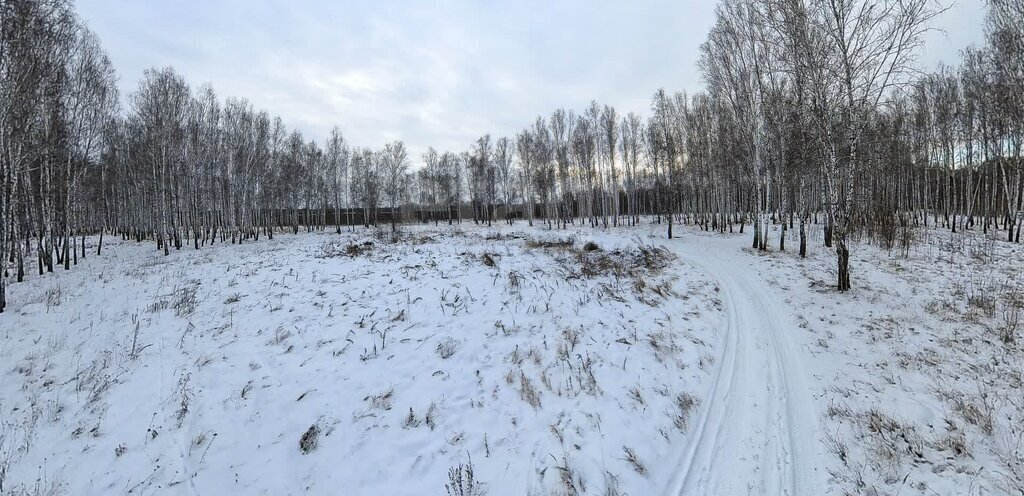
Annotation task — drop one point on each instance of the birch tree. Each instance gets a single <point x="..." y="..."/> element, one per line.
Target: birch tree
<point x="850" y="54"/>
<point x="394" y="166"/>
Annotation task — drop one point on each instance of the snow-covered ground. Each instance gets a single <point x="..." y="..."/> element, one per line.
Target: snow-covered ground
<point x="317" y="362"/>
<point x="366" y="363"/>
<point x="917" y="379"/>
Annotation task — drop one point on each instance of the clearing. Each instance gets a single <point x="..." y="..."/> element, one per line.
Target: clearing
<point x="514" y="360"/>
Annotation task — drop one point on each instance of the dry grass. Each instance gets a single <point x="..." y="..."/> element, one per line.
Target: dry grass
<point x="685" y="403"/>
<point x="837" y="447"/>
<point x="410" y="420"/>
<point x="890" y="441"/>
<point x="336" y="248"/>
<point x="381" y="401"/>
<point x="1012" y="308"/>
<point x="447" y="347"/>
<point x="634" y="460"/>
<point x="559" y="243"/>
<point x="611" y="485"/>
<point x="281" y="335"/>
<point x="515" y="282"/>
<point x="978" y="410"/>
<point x="462" y="481"/>
<point x="310" y="439"/>
<point x="185" y="301"/>
<point x="527" y="391"/>
<point x="634" y="264"/>
<point x="54" y="297"/>
<point x="431" y="417"/>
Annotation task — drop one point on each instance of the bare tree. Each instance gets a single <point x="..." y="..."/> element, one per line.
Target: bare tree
<point x="394" y="165"/>
<point x="337" y="157"/>
<point x="524" y="151"/>
<point x="631" y="132"/>
<point x="610" y="135"/>
<point x="851" y="54"/>
<point x="505" y="174"/>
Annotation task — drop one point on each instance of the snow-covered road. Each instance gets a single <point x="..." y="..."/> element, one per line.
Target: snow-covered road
<point x="757" y="429"/>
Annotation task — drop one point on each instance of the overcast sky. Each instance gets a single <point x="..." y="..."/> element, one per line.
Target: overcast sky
<point x="432" y="73"/>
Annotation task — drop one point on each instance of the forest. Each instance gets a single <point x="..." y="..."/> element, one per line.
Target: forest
<point x="814" y="117"/>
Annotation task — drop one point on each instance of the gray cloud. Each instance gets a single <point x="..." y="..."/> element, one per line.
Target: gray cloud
<point x="436" y="73"/>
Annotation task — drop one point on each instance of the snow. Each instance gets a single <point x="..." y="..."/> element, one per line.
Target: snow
<point x="366" y="363"/>
<point x="760" y="435"/>
<point x="909" y="367"/>
<point x="294" y="333"/>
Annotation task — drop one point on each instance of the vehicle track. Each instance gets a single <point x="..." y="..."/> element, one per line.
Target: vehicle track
<point x="756" y="431"/>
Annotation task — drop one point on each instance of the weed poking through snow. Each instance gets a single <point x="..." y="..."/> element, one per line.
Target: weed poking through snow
<point x="310" y="439"/>
<point x="462" y="481"/>
<point x="447" y="347"/>
<point x="634" y="460"/>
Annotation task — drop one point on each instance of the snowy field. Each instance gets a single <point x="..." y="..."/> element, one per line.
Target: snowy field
<point x="919" y="369"/>
<point x="322" y="361"/>
<point x="515" y="361"/>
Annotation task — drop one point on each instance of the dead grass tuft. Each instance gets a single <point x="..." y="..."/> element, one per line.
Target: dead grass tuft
<point x="462" y="481"/>
<point x="643" y="261"/>
<point x="558" y="243"/>
<point x="685" y="403"/>
<point x="185" y="298"/>
<point x="527" y="391"/>
<point x="381" y="401"/>
<point x="634" y="460"/>
<point x="310" y="439"/>
<point x="337" y="248"/>
<point x="447" y="347"/>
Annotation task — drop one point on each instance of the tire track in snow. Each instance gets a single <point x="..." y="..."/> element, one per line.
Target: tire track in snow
<point x="757" y="429"/>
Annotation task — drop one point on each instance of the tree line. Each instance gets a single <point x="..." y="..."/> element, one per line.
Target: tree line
<point x="813" y="115"/>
